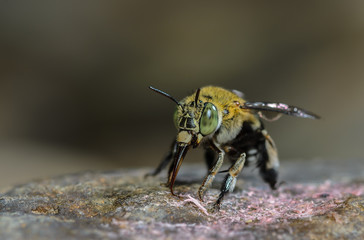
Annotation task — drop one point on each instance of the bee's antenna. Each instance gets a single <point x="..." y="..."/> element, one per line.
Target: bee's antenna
<point x="197" y="96"/>
<point x="166" y="95"/>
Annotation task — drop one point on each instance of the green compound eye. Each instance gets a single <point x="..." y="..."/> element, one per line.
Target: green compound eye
<point x="175" y="118"/>
<point x="209" y="119"/>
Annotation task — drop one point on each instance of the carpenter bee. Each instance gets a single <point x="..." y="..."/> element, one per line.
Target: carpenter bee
<point x="226" y="125"/>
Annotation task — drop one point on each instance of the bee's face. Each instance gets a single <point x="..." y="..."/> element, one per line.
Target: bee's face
<point x="195" y="121"/>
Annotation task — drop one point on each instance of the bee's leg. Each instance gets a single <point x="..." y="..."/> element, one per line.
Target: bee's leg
<point x="268" y="161"/>
<point x="230" y="179"/>
<point x="211" y="174"/>
<point x="210" y="157"/>
<point x="164" y="161"/>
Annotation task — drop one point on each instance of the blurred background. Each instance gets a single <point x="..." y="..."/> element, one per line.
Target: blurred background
<point x="74" y="78"/>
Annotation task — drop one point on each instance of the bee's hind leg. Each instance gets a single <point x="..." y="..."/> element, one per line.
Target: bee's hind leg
<point x="230" y="179"/>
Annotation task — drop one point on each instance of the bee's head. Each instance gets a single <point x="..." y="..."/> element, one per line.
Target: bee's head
<point x="194" y="120"/>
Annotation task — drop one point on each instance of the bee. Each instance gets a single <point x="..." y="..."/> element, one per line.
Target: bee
<point x="227" y="126"/>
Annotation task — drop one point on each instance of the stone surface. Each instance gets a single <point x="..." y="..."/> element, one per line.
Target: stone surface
<point x="122" y="204"/>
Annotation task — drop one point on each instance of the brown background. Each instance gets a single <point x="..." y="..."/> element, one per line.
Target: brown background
<point x="74" y="77"/>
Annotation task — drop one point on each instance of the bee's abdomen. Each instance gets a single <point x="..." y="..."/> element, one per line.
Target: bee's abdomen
<point x="254" y="143"/>
<point x="247" y="141"/>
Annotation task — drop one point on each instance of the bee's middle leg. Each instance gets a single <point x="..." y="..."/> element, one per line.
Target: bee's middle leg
<point x="230" y="179"/>
<point x="211" y="175"/>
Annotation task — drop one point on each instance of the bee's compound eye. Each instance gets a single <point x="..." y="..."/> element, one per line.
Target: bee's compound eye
<point x="175" y="118"/>
<point x="209" y="119"/>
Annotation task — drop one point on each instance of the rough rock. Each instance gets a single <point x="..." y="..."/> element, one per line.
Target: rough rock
<point x="123" y="204"/>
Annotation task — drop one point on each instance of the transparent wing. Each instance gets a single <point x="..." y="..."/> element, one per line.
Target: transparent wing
<point x="280" y="108"/>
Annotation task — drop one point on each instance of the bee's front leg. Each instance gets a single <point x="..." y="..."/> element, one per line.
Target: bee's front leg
<point x="230" y="179"/>
<point x="164" y="161"/>
<point x="211" y="175"/>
